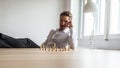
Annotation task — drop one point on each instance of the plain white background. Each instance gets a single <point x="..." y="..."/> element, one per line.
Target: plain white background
<point x="30" y="18"/>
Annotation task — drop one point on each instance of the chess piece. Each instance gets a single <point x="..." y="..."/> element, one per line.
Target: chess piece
<point x="60" y="48"/>
<point x="45" y="48"/>
<point x="41" y="47"/>
<point x="54" y="46"/>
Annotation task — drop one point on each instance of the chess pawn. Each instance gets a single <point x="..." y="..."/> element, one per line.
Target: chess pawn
<point x="68" y="47"/>
<point x="45" y="48"/>
<point x="49" y="48"/>
<point x="54" y="47"/>
<point x="60" y="48"/>
<point x="64" y="49"/>
<point x="41" y="47"/>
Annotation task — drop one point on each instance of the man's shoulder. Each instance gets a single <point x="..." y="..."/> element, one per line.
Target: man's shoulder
<point x="52" y="31"/>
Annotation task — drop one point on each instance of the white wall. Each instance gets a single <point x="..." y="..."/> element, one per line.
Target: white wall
<point x="30" y="18"/>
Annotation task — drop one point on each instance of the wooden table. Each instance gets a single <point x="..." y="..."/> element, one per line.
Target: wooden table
<point x="34" y="58"/>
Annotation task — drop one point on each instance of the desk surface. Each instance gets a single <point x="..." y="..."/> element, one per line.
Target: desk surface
<point x="81" y="58"/>
<point x="34" y="58"/>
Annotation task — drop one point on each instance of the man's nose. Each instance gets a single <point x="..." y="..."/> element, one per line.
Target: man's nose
<point x="63" y="23"/>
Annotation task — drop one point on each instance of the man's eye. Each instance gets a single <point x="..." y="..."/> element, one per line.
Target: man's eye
<point x="66" y="21"/>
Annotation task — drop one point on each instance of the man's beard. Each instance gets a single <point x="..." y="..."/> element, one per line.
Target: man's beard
<point x="62" y="27"/>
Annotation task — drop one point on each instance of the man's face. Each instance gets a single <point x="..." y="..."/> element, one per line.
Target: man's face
<point x="64" y="22"/>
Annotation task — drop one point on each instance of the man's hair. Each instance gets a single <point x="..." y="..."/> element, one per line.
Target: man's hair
<point x="66" y="13"/>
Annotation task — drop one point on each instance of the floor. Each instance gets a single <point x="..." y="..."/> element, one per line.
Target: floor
<point x="99" y="42"/>
<point x="81" y="58"/>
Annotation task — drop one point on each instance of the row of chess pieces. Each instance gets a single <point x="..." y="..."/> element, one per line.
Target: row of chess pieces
<point x="54" y="48"/>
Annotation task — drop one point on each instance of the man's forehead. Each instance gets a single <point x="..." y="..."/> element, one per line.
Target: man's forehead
<point x="65" y="17"/>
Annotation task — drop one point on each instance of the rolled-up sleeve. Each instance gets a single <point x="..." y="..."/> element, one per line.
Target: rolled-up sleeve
<point x="73" y="39"/>
<point x="51" y="33"/>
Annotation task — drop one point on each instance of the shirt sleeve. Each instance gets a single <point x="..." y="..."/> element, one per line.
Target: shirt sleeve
<point x="51" y="33"/>
<point x="74" y="37"/>
<point x="73" y="40"/>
